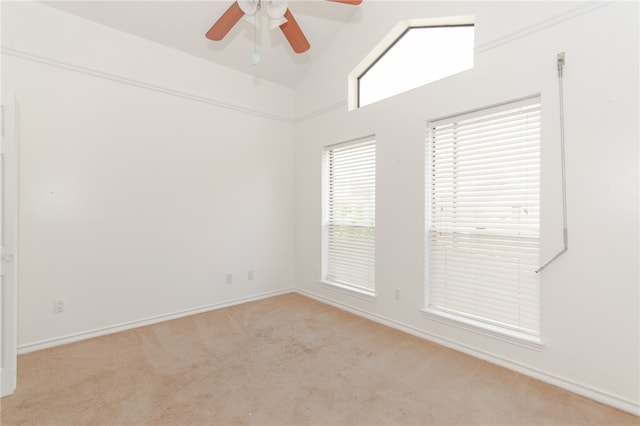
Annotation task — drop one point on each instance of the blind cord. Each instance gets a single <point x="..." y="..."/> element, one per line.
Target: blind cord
<point x="565" y="233"/>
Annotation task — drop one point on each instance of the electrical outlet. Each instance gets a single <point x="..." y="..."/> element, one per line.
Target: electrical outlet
<point x="397" y="294"/>
<point x="58" y="306"/>
<point x="250" y="275"/>
<point x="229" y="279"/>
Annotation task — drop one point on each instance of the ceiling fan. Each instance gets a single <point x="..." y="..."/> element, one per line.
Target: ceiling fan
<point x="279" y="16"/>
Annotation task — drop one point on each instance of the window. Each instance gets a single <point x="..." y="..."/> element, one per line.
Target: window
<point x="349" y="216"/>
<point x="483" y="192"/>
<point x="415" y="53"/>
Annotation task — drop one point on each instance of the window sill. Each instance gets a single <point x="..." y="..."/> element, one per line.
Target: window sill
<point x="354" y="291"/>
<point x="496" y="332"/>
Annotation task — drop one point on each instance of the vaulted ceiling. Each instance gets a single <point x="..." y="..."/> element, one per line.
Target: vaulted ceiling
<point x="182" y="25"/>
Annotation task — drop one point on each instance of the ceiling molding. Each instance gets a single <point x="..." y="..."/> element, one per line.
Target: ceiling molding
<point x="141" y="84"/>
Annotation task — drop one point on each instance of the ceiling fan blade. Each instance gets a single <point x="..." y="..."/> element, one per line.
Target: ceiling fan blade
<point x="352" y="2"/>
<point x="294" y="34"/>
<point x="224" y="24"/>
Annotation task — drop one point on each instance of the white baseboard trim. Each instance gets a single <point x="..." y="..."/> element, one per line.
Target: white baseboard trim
<point x="76" y="337"/>
<point x="604" y="397"/>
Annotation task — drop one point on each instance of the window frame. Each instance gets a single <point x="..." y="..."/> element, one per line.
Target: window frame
<point x="484" y="327"/>
<point x="353" y="79"/>
<point x="345" y="285"/>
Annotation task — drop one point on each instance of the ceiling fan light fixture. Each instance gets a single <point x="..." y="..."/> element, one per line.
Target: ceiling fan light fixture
<point x="275" y="11"/>
<point x="250" y="19"/>
<point x="249" y="7"/>
<point x="279" y="16"/>
<point x="275" y="23"/>
<point x="276" y="8"/>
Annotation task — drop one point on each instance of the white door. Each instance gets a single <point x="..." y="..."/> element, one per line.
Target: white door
<point x="8" y="246"/>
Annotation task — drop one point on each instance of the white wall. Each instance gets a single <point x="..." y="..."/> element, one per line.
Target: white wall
<point x="146" y="175"/>
<point x="590" y="297"/>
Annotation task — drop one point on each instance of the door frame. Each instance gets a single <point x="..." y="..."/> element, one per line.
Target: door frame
<point x="8" y="247"/>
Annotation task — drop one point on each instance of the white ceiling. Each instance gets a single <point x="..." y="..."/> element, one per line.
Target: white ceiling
<point x="182" y="25"/>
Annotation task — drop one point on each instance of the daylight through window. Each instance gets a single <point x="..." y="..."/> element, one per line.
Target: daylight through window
<point x="483" y="192"/>
<point x="349" y="210"/>
<point x="419" y="56"/>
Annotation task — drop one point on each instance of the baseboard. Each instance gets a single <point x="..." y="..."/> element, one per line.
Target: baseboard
<point x="570" y="385"/>
<point x="76" y="337"/>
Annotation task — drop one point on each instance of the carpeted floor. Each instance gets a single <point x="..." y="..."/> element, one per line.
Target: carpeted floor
<point x="286" y="360"/>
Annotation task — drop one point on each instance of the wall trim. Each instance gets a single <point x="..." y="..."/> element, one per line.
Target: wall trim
<point x="540" y="26"/>
<point x="102" y="331"/>
<point x="321" y="111"/>
<point x="590" y="392"/>
<point x="580" y="10"/>
<point x="477" y="327"/>
<point x="140" y="84"/>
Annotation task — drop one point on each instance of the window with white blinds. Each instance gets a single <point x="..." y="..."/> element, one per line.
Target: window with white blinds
<point x="349" y="215"/>
<point x="483" y="195"/>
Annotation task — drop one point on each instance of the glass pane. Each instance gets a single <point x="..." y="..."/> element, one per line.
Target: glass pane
<point x="420" y="56"/>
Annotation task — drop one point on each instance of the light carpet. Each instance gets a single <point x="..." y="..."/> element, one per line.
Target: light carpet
<point x="286" y="360"/>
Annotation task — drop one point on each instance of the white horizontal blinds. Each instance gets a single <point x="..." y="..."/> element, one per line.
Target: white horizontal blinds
<point x="350" y="233"/>
<point x="485" y="216"/>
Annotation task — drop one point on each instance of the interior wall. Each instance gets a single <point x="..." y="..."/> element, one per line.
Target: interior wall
<point x="146" y="176"/>
<point x="589" y="296"/>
